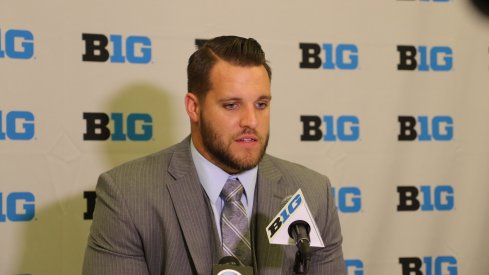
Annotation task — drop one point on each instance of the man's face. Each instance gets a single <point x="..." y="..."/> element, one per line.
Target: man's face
<point x="233" y="121"/>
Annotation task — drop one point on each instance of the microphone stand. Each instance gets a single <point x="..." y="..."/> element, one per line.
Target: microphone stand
<point x="302" y="258"/>
<point x="299" y="231"/>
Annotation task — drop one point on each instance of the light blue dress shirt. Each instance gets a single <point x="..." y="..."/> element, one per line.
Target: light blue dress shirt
<point x="213" y="179"/>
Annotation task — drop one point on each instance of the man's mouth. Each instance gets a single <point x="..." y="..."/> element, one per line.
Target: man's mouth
<point x="247" y="139"/>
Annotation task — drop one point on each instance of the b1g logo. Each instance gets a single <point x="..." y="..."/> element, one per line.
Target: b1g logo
<point x="16" y="125"/>
<point x="423" y="58"/>
<point x="341" y="128"/>
<point x="348" y="199"/>
<point x="341" y="56"/>
<point x="427" y="0"/>
<point x="354" y="266"/>
<point x="441" y="265"/>
<point x="199" y="42"/>
<point x="438" y="128"/>
<point x="16" y="44"/>
<point x="17" y="207"/>
<point x="90" y="197"/>
<point x="426" y="198"/>
<point x="133" y="49"/>
<point x="284" y="215"/>
<point x="135" y="127"/>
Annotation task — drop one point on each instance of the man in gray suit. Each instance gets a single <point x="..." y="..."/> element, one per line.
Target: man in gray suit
<point x="161" y="214"/>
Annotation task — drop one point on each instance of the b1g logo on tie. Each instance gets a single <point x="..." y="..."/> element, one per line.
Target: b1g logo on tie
<point x="116" y="48"/>
<point x="354" y="266"/>
<point x="424" y="128"/>
<point x="424" y="58"/>
<point x="16" y="125"/>
<point x="441" y="265"/>
<point x="348" y="199"/>
<point x="426" y="198"/>
<point x="16" y="44"/>
<point x="328" y="56"/>
<point x="134" y="127"/>
<point x="17" y="207"/>
<point x="341" y="128"/>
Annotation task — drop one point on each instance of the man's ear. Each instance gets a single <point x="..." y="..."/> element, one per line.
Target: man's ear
<point x="192" y="106"/>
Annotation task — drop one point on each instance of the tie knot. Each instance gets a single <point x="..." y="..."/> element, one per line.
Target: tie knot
<point x="232" y="190"/>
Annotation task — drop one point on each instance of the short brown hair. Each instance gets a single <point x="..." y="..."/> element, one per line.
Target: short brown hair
<point x="233" y="49"/>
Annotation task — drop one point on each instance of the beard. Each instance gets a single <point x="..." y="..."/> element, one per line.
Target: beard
<point x="221" y="152"/>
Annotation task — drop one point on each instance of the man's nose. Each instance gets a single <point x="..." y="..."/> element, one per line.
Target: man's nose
<point x="249" y="117"/>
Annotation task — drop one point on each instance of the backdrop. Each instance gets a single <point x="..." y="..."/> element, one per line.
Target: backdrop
<point x="388" y="98"/>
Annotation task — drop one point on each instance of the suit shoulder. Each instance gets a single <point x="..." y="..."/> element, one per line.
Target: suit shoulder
<point x="151" y="166"/>
<point x="292" y="169"/>
<point x="153" y="159"/>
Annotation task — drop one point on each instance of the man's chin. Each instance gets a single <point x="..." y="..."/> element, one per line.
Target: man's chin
<point x="248" y="162"/>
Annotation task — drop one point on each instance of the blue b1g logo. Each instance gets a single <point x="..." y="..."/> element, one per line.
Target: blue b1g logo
<point x="426" y="198"/>
<point x="135" y="127"/>
<point x="441" y="265"/>
<point x="16" y="44"/>
<point x="424" y="128"/>
<point x="354" y="266"/>
<point x="117" y="49"/>
<point x="341" y="128"/>
<point x="348" y="199"/>
<point x="19" y="206"/>
<point x="16" y="125"/>
<point x="423" y="58"/>
<point x="341" y="56"/>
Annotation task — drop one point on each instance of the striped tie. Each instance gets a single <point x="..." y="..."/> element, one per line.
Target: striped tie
<point x="234" y="223"/>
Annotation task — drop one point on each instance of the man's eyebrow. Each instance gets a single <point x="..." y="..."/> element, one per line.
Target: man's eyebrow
<point x="230" y="99"/>
<point x="267" y="97"/>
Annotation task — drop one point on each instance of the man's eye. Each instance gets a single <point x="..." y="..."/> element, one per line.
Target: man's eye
<point x="230" y="106"/>
<point x="262" y="105"/>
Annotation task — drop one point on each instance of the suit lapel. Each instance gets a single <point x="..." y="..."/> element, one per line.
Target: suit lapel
<point x="191" y="209"/>
<point x="271" y="191"/>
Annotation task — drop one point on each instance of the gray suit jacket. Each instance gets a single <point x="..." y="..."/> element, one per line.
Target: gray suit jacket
<point x="152" y="217"/>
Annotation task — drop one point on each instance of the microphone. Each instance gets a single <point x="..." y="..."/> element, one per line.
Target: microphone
<point x="229" y="265"/>
<point x="299" y="231"/>
<point x="294" y="224"/>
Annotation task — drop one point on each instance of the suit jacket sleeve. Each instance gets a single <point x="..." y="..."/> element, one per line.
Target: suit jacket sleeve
<point x="113" y="246"/>
<point x="329" y="260"/>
